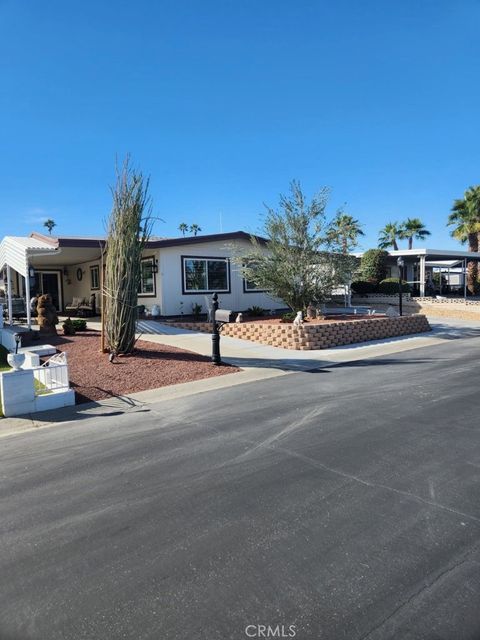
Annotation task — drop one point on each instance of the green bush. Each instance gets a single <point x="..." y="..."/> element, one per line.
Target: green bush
<point x="196" y="310"/>
<point x="364" y="286"/>
<point x="255" y="311"/>
<point x="288" y="317"/>
<point x="68" y="327"/>
<point x="79" y="324"/>
<point x="373" y="265"/>
<point x="390" y="285"/>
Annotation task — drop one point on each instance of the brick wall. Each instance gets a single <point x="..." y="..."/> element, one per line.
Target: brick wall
<point x="318" y="336"/>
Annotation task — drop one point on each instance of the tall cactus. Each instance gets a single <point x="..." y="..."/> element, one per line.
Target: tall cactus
<point x="129" y="228"/>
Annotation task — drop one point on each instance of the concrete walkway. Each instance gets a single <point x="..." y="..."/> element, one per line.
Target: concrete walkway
<point x="257" y="361"/>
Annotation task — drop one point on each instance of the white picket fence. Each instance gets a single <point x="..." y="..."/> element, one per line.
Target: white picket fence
<point x="52" y="375"/>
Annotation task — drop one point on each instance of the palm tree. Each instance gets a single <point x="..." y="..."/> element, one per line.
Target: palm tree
<point x="465" y="215"/>
<point x="194" y="228"/>
<point x="183" y="228"/>
<point x="50" y="224"/>
<point x="389" y="235"/>
<point x="413" y="228"/>
<point x="344" y="230"/>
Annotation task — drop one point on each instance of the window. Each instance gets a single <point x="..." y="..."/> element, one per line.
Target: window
<point x="147" y="277"/>
<point x="95" y="277"/>
<point x="248" y="285"/>
<point x="205" y="274"/>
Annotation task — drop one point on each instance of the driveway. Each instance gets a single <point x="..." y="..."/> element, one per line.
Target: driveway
<point x="339" y="503"/>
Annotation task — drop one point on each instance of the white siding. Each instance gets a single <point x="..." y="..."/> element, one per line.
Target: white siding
<point x="170" y="274"/>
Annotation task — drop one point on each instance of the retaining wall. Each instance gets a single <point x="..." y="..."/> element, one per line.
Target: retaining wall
<point x="318" y="336"/>
<point x="431" y="307"/>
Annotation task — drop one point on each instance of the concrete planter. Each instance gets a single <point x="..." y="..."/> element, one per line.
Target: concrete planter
<point x="16" y="360"/>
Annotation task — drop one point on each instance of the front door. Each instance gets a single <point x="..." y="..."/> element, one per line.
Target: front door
<point x="48" y="282"/>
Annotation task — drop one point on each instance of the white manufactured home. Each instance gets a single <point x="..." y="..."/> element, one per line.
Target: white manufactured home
<point x="176" y="273"/>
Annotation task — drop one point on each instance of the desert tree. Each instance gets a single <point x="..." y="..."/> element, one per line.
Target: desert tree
<point x="465" y="218"/>
<point x="342" y="236"/>
<point x="413" y="229"/>
<point x="128" y="229"/>
<point x="389" y="236"/>
<point x="295" y="264"/>
<point x="344" y="232"/>
<point x="50" y="225"/>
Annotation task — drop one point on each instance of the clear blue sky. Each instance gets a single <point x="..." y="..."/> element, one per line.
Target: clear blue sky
<point x="224" y="102"/>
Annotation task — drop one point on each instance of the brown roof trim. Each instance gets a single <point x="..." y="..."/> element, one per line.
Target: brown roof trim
<point x="152" y="244"/>
<point x="95" y="243"/>
<point x="176" y="242"/>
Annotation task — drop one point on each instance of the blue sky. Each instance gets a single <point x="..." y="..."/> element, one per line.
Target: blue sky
<point x="223" y="103"/>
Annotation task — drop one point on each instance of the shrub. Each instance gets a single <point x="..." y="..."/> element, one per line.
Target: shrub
<point x="196" y="309"/>
<point x="390" y="285"/>
<point x="79" y="324"/>
<point x="68" y="328"/>
<point x="364" y="286"/>
<point x="255" y="311"/>
<point x="373" y="265"/>
<point x="288" y="317"/>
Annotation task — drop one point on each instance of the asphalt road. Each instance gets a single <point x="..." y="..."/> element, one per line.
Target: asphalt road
<point x="342" y="503"/>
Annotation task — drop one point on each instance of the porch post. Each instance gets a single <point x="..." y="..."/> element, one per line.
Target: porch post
<point x="9" y="295"/>
<point x="27" y="299"/>
<point x="422" y="276"/>
<point x="465" y="279"/>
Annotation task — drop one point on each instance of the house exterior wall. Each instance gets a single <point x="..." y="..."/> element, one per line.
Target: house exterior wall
<point x="171" y="276"/>
<point x="169" y="292"/>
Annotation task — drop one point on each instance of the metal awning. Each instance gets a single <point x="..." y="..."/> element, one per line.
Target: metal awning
<point x="16" y="251"/>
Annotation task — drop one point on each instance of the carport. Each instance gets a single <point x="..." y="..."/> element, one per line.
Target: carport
<point x="421" y="261"/>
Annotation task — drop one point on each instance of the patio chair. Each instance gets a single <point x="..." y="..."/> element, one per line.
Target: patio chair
<point x="73" y="306"/>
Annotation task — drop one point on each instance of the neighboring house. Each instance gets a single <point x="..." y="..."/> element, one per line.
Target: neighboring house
<point x="175" y="272"/>
<point x="421" y="265"/>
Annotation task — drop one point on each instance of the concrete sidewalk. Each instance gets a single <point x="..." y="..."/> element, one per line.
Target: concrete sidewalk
<point x="257" y="361"/>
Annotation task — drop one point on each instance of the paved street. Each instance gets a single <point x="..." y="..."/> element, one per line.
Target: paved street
<point x="342" y="501"/>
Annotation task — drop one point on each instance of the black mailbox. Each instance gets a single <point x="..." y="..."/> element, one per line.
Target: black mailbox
<point x="223" y="315"/>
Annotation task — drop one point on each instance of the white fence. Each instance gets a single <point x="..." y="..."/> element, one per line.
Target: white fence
<point x="52" y="375"/>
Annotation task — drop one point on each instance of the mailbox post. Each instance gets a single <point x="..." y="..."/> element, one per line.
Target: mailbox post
<point x="219" y="318"/>
<point x="216" y="359"/>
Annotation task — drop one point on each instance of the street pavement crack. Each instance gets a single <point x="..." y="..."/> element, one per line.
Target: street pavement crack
<point x="419" y="592"/>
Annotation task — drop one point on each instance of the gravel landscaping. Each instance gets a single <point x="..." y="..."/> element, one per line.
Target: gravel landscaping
<point x="93" y="377"/>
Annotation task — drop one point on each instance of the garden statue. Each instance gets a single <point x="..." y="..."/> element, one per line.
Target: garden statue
<point x="311" y="312"/>
<point x="298" y="319"/>
<point x="46" y="314"/>
<point x="239" y="318"/>
<point x="391" y="312"/>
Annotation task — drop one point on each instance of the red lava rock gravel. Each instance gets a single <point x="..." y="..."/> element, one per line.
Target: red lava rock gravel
<point x="152" y="365"/>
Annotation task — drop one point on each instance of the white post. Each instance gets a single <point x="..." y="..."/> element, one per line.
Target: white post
<point x="27" y="299"/>
<point x="465" y="279"/>
<point x="422" y="275"/>
<point x="9" y="295"/>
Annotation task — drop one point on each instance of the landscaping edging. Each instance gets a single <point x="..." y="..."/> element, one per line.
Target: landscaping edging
<point x="317" y="336"/>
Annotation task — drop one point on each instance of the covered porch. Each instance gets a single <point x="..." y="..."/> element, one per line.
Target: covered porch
<point x="39" y="265"/>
